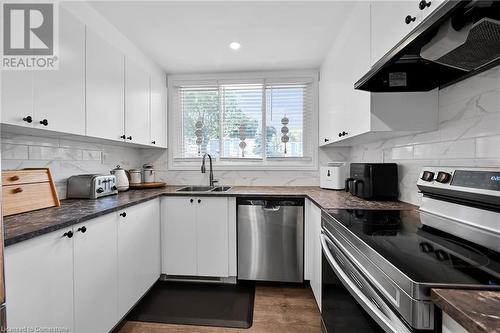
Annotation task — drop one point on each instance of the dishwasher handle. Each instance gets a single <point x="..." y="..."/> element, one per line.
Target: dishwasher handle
<point x="271" y="208"/>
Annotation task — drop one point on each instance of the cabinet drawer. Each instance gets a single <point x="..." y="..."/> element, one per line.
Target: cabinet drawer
<point x="24" y="177"/>
<point x="26" y="197"/>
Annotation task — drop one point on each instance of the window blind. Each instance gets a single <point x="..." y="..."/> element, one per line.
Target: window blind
<point x="242" y="121"/>
<point x="257" y="121"/>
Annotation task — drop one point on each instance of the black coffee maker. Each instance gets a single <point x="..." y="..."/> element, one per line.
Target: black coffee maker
<point x="373" y="181"/>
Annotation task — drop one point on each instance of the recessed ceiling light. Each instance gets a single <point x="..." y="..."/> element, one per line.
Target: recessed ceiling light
<point x="235" y="45"/>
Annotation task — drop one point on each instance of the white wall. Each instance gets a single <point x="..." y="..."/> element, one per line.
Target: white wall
<point x="468" y="134"/>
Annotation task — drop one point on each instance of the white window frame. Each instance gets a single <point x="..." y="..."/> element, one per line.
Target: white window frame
<point x="286" y="163"/>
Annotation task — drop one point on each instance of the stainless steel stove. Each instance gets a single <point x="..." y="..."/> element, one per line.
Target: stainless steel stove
<point x="380" y="265"/>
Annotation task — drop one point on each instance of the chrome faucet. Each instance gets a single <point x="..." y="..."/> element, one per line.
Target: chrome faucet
<point x="204" y="169"/>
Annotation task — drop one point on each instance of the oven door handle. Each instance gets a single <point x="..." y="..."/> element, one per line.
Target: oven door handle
<point x="373" y="305"/>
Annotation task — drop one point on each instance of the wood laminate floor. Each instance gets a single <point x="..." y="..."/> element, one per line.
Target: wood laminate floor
<point x="278" y="309"/>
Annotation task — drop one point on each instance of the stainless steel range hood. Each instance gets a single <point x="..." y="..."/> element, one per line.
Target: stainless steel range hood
<point x="458" y="40"/>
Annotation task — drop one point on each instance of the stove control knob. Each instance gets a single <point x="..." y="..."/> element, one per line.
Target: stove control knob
<point x="428" y="176"/>
<point x="443" y="177"/>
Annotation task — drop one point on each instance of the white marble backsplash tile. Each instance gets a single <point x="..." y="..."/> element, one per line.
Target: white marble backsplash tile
<point x="64" y="157"/>
<point x="468" y="134"/>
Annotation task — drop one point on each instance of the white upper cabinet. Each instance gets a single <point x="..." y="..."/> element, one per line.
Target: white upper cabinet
<point x="59" y="95"/>
<point x="158" y="118"/>
<point x="139" y="260"/>
<point x="346" y="113"/>
<point x="96" y="272"/>
<point x="17" y="98"/>
<point x="137" y="95"/>
<point x="39" y="282"/>
<point x="390" y="22"/>
<point x="105" y="89"/>
<point x="428" y="6"/>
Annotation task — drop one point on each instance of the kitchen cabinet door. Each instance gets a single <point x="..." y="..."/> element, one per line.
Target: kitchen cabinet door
<point x="137" y="91"/>
<point x="389" y="26"/>
<point x="341" y="107"/>
<point x="312" y="255"/>
<point x="212" y="237"/>
<point x="59" y="95"/>
<point x="158" y="119"/>
<point x="138" y="252"/>
<point x="105" y="86"/>
<point x="39" y="282"/>
<point x="96" y="272"/>
<point x="428" y="6"/>
<point x="17" y="98"/>
<point x="179" y="240"/>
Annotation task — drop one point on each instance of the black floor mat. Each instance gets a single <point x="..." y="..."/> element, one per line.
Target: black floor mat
<point x="204" y="304"/>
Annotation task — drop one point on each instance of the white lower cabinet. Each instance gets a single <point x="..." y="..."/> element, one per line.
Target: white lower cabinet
<point x="451" y="326"/>
<point x="39" y="282"/>
<point x="96" y="271"/>
<point x="87" y="282"/>
<point x="313" y="253"/>
<point x="198" y="237"/>
<point x="138" y="252"/>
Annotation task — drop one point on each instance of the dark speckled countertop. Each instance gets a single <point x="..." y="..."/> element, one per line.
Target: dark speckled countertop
<point x="24" y="226"/>
<point x="478" y="311"/>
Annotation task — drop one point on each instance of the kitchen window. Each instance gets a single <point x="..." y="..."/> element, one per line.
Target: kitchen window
<point x="257" y="122"/>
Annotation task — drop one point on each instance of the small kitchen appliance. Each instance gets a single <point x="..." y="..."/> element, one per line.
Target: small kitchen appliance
<point x="380" y="265"/>
<point x="148" y="173"/>
<point x="122" y="183"/>
<point x="91" y="186"/>
<point x="373" y="181"/>
<point x="135" y="176"/>
<point x="332" y="176"/>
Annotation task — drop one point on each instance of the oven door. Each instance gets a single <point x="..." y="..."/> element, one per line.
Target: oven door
<point x="349" y="303"/>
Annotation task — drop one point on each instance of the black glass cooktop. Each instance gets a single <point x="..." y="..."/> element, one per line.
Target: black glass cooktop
<point x="422" y="253"/>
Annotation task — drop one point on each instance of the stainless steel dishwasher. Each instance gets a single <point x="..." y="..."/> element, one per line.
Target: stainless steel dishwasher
<point x="271" y="239"/>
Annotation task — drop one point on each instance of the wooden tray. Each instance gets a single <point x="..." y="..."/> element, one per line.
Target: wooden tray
<point x="147" y="185"/>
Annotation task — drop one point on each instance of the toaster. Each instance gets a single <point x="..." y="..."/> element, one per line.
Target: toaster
<point x="91" y="186"/>
<point x="333" y="175"/>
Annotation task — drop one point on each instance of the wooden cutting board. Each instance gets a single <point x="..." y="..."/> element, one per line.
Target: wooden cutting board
<point x="147" y="185"/>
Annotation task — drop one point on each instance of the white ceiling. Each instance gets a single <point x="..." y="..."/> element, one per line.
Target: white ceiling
<point x="187" y="36"/>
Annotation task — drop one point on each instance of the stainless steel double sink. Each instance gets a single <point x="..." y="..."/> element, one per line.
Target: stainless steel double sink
<point x="204" y="189"/>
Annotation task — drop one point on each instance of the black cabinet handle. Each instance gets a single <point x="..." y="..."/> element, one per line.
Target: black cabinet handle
<point x="28" y="119"/>
<point x="153" y="142"/>
<point x="68" y="234"/>
<point x="343" y="133"/>
<point x="423" y="4"/>
<point x="199" y="200"/>
<point x="82" y="229"/>
<point x="409" y="19"/>
<point x="44" y="122"/>
<point x="191" y="201"/>
<point x="326" y="140"/>
<point x="122" y="136"/>
<point x="123" y="214"/>
<point x="129" y="137"/>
